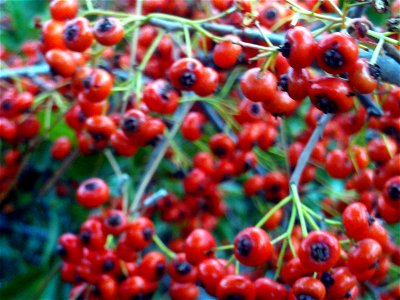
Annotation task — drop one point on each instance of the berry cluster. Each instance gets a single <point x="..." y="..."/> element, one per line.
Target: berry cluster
<point x="296" y="108"/>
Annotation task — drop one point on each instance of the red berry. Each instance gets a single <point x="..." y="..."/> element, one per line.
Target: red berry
<point x="226" y="53"/>
<point x="186" y="74"/>
<point x="92" y="193"/>
<point x="319" y="251"/>
<point x="236" y="287"/>
<point x="77" y="34"/>
<point x="108" y="31"/>
<point x="252" y="247"/>
<point x="331" y="95"/>
<point x="308" y="288"/>
<point x="337" y="53"/>
<point x="62" y="10"/>
<point x="61" y="148"/>
<point x="364" y="256"/>
<point x="299" y="47"/>
<point x="199" y="245"/>
<point x="258" y="87"/>
<point x="139" y="233"/>
<point x="268" y="289"/>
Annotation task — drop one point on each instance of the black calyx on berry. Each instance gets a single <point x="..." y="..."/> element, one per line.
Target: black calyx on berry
<point x="106" y="25"/>
<point x="285" y="49"/>
<point x="244" y="245"/>
<point x="326" y="105"/>
<point x="320" y="252"/>
<point x="333" y="58"/>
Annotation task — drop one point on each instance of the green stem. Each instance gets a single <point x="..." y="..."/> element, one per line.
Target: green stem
<point x="139" y="74"/>
<point x="273" y="210"/>
<point x="280" y="259"/>
<point x="380" y="36"/>
<point x="279" y="238"/>
<point x="315" y="215"/>
<point x="89" y="5"/>
<point x="218" y="16"/>
<point x="117" y="170"/>
<point x="310" y="220"/>
<point x="377" y="50"/>
<point x="257" y="23"/>
<point x="224" y="247"/>
<point x="297" y="202"/>
<point x="160" y="244"/>
<point x="290" y="230"/>
<point x="230" y="260"/>
<point x="188" y="42"/>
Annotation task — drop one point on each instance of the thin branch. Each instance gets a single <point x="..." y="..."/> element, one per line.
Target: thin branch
<point x="373" y="109"/>
<point x="25" y="71"/>
<point x="389" y="67"/>
<point x="306" y="153"/>
<point x="158" y="154"/>
<point x="219" y="124"/>
<point x="60" y="171"/>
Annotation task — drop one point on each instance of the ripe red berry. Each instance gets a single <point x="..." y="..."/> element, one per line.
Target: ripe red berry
<point x="92" y="235"/>
<point x="134" y="287"/>
<point x="108" y="31"/>
<point x="236" y="287"/>
<point x="62" y="10"/>
<point x="185" y="74"/>
<point x="391" y="192"/>
<point x="181" y="270"/>
<point x="199" y="245"/>
<point x="252" y="247"/>
<point x="226" y="53"/>
<point x="208" y="82"/>
<point x="339" y="283"/>
<point x="187" y="291"/>
<point x="161" y="97"/>
<point x="267" y="289"/>
<point x="296" y="83"/>
<point x="338" y="164"/>
<point x="122" y="144"/>
<point x="92" y="193"/>
<point x="139" y="233"/>
<point x="299" y="47"/>
<point x="77" y="34"/>
<point x="211" y="271"/>
<point x="52" y="35"/>
<point x="98" y="85"/>
<point x="293" y="270"/>
<point x="319" y="251"/>
<point x="331" y="95"/>
<point x="337" y="53"/>
<point x="363" y="77"/>
<point x="61" y="148"/>
<point x="153" y="266"/>
<point x="192" y="126"/>
<point x="258" y="87"/>
<point x="364" y="256"/>
<point x="308" y="288"/>
<point x="222" y="145"/>
<point x="195" y="181"/>
<point x="115" y="221"/>
<point x="8" y="129"/>
<point x="357" y="220"/>
<point x="69" y="248"/>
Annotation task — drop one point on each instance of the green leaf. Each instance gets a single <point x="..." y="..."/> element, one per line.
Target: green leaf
<point x="24" y="285"/>
<point x="60" y="128"/>
<point x="41" y="157"/>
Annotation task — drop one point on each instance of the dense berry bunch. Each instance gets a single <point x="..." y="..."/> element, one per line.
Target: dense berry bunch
<point x="226" y="148"/>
